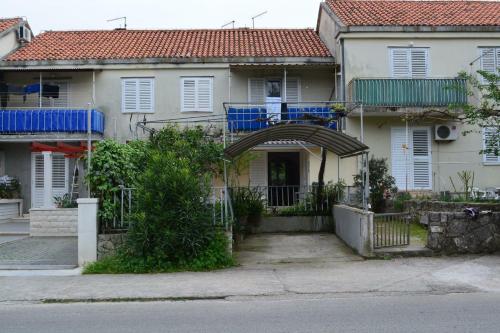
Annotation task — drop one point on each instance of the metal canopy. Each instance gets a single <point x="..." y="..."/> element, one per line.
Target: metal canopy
<point x="336" y="142"/>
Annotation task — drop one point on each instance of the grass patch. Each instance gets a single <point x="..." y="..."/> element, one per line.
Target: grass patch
<point x="214" y="257"/>
<point x="419" y="232"/>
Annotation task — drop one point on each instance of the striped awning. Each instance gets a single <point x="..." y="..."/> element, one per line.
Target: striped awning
<point x="336" y="142"/>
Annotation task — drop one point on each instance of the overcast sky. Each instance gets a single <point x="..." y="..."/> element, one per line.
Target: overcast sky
<point x="158" y="14"/>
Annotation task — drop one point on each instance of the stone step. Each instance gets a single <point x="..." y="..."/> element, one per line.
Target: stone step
<point x="15" y="229"/>
<point x="410" y="251"/>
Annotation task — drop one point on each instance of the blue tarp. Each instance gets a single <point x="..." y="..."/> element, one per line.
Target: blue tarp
<point x="252" y="119"/>
<point x="49" y="121"/>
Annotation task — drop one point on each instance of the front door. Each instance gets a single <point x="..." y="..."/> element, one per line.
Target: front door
<point x="283" y="178"/>
<point x="59" y="178"/>
<point x="273" y="100"/>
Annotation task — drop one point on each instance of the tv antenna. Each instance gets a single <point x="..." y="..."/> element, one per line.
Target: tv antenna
<point x="124" y="18"/>
<point x="228" y="23"/>
<point x="258" y="15"/>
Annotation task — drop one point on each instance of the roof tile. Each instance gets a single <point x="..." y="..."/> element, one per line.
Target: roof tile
<point x="414" y="13"/>
<point x="6" y="23"/>
<point x="142" y="44"/>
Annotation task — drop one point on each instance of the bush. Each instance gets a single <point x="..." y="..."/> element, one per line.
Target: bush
<point x="382" y="184"/>
<point x="400" y="199"/>
<point x="9" y="188"/>
<point x="113" y="165"/>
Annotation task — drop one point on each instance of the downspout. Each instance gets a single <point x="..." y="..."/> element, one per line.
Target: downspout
<point x="41" y="92"/>
<point x="342" y="69"/>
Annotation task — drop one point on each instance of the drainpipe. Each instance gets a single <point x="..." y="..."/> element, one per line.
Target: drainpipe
<point x="342" y="69"/>
<point x="41" y="91"/>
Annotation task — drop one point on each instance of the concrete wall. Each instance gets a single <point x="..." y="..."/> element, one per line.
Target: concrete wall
<point x="367" y="54"/>
<point x="270" y="224"/>
<point x="56" y="222"/>
<point x="355" y="227"/>
<point x="8" y="43"/>
<point x="10" y="208"/>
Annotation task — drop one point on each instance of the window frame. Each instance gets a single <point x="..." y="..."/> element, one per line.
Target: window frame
<point x="196" y="109"/>
<point x="496" y="55"/>
<point x="138" y="109"/>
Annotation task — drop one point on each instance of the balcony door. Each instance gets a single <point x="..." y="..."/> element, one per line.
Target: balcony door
<point x="273" y="99"/>
<point x="60" y="175"/>
<point x="283" y="178"/>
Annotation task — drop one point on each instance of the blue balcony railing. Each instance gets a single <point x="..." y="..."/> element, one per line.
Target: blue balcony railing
<point x="247" y="118"/>
<point x="40" y="120"/>
<point x="408" y="92"/>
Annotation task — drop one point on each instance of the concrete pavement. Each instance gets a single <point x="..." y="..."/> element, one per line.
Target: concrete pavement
<point x="435" y="313"/>
<point x="443" y="275"/>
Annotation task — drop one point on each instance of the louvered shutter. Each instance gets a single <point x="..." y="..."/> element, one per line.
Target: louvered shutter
<point x="421" y="159"/>
<point x="419" y="63"/>
<point x="399" y="159"/>
<point x="489" y="146"/>
<point x="256" y="91"/>
<point x="204" y="94"/>
<point x="138" y="95"/>
<point x="59" y="175"/>
<point x="145" y="89"/>
<point x="400" y="63"/>
<point x="488" y="61"/>
<point x="197" y="94"/>
<point x="38" y="166"/>
<point x="258" y="169"/>
<point x="293" y="90"/>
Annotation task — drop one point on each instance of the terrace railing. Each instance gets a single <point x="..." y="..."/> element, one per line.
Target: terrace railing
<point x="408" y="92"/>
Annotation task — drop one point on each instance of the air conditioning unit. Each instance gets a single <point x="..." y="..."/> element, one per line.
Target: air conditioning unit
<point x="445" y="132"/>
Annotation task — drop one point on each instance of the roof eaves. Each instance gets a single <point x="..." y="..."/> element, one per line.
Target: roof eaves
<point x="418" y="28"/>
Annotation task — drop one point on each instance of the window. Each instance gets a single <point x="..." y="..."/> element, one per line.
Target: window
<point x="138" y="95"/>
<point x="411" y="163"/>
<point x="491" y="146"/>
<point x="260" y="89"/>
<point x="61" y="99"/>
<point x="490" y="60"/>
<point x="197" y="94"/>
<point x="409" y="62"/>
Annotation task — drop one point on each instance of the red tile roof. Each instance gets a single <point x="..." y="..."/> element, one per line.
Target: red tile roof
<point x="416" y="13"/>
<point x="142" y="44"/>
<point x="6" y="23"/>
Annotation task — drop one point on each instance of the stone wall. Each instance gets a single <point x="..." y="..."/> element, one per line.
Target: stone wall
<point x="455" y="232"/>
<point x="58" y="222"/>
<point x="421" y="208"/>
<point x="107" y="244"/>
<point x="272" y="224"/>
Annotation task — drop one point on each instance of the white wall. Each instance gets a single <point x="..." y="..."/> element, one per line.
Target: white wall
<point x="8" y="43"/>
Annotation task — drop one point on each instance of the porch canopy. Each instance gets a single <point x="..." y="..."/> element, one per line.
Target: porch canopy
<point x="336" y="142"/>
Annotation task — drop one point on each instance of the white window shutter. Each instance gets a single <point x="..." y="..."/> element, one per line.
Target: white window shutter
<point x="258" y="169"/>
<point x="145" y="95"/>
<point x="58" y="171"/>
<point x="256" y="91"/>
<point x="400" y="63"/>
<point x="422" y="166"/>
<point x="293" y="90"/>
<point x="197" y="94"/>
<point x="490" y="156"/>
<point x="419" y="63"/>
<point x="37" y="197"/>
<point x="138" y="95"/>
<point x="488" y="63"/>
<point x="204" y="94"/>
<point x="399" y="158"/>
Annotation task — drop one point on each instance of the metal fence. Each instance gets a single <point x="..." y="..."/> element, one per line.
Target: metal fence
<point x="391" y="230"/>
<point x="123" y="204"/>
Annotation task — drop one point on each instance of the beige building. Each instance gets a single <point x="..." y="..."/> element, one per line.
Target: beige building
<point x="234" y="81"/>
<point x="398" y="59"/>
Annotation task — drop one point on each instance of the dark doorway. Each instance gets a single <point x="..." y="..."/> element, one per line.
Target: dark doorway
<point x="283" y="178"/>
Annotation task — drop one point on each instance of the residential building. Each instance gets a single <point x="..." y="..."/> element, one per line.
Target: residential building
<point x="399" y="60"/>
<point x="235" y="79"/>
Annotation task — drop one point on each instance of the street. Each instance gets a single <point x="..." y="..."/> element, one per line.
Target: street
<point x="476" y="312"/>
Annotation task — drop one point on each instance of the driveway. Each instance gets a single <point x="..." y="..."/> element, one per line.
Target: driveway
<point x="293" y="248"/>
<point x="39" y="253"/>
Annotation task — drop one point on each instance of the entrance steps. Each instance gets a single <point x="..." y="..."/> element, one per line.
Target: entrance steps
<point x="403" y="251"/>
<point x="16" y="227"/>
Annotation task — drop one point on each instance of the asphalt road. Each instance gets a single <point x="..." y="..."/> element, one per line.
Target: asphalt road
<point x="430" y="313"/>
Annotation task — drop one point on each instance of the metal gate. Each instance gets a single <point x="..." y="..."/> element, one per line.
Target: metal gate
<point x="391" y="230"/>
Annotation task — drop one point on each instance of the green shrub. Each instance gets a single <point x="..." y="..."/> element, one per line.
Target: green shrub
<point x="10" y="188"/>
<point x="382" y="184"/>
<point x="400" y="199"/>
<point x="65" y="202"/>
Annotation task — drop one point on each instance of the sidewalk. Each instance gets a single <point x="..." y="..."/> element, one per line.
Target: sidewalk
<point x="399" y="276"/>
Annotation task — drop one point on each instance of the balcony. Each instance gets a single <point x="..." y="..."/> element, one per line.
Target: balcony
<point x="244" y="117"/>
<point x="408" y="92"/>
<point x="49" y="120"/>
